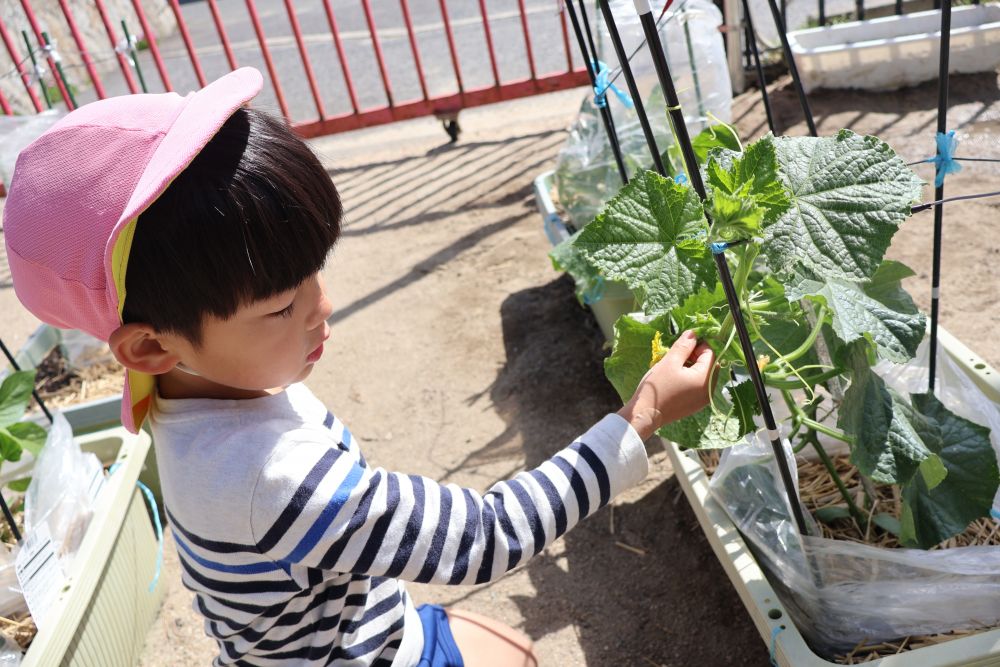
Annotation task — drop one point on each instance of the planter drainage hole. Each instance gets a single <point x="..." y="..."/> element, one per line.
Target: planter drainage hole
<point x="774" y="614"/>
<point x="979" y="367"/>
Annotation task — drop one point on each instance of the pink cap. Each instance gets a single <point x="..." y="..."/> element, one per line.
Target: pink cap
<point x="78" y="190"/>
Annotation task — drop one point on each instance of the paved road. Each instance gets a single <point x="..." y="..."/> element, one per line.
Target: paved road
<point x="505" y="25"/>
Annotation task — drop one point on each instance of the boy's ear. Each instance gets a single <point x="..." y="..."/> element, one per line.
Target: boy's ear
<point x="138" y="346"/>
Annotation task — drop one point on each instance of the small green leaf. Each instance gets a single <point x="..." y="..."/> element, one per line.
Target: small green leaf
<point x="734" y="217"/>
<point x="933" y="471"/>
<point x="19" y="485"/>
<point x="632" y="351"/>
<point x="751" y="177"/>
<point x="933" y="514"/>
<point x="849" y="195"/>
<point x="715" y="136"/>
<point x="10" y="447"/>
<point x="30" y="435"/>
<point x="696" y="311"/>
<point x="705" y="430"/>
<point x="888" y="523"/>
<point x="635" y="240"/>
<point x="15" y="392"/>
<point x="887" y="447"/>
<point x="745" y="405"/>
<point x="832" y="513"/>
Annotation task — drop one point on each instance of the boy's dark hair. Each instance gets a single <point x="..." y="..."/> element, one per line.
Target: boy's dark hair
<point x="253" y="215"/>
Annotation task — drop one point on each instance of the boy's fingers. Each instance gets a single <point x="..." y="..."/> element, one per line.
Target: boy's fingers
<point x="705" y="357"/>
<point x="682" y="348"/>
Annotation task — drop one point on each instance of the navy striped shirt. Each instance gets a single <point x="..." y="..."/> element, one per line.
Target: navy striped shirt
<point x="297" y="549"/>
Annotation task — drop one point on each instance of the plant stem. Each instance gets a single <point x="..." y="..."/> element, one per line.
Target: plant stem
<point x="824" y="429"/>
<point x="780" y="382"/>
<point x="807" y="344"/>
<point x="859" y="516"/>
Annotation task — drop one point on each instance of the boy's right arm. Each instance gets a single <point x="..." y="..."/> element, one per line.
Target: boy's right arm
<point x="346" y="517"/>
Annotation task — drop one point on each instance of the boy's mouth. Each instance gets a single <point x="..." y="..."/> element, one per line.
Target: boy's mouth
<point x="315" y="354"/>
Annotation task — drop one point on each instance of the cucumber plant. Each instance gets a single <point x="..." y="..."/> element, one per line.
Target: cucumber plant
<point x="806" y="223"/>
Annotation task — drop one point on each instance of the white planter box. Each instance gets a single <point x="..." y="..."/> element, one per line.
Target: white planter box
<point x="105" y="608"/>
<point x="896" y="51"/>
<point x="617" y="299"/>
<point x="768" y="614"/>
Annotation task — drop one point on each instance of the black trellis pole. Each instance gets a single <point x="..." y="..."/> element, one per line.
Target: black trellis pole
<point x="752" y="38"/>
<point x="779" y="23"/>
<point x="942" y="125"/>
<point x="822" y="13"/>
<point x="590" y="61"/>
<point x="694" y="175"/>
<point x="633" y="90"/>
<point x="860" y="4"/>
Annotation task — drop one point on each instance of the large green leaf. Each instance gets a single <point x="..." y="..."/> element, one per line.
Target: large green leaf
<point x="15" y="392"/>
<point x="887" y="446"/>
<point x="879" y="309"/>
<point x="644" y="237"/>
<point x="934" y="512"/>
<point x="708" y="429"/>
<point x="849" y="194"/>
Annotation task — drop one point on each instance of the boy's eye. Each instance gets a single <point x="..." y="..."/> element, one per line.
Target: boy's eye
<point x="284" y="312"/>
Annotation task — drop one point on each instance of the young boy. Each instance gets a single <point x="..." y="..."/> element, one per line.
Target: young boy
<point x="189" y="233"/>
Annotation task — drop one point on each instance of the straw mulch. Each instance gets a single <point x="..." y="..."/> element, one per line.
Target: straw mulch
<point x="60" y="384"/>
<point x="817" y="489"/>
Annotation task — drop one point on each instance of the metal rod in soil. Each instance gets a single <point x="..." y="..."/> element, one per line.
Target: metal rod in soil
<point x="591" y="63"/>
<point x="942" y="125"/>
<point x="779" y="23"/>
<point x="647" y="130"/>
<point x="732" y="298"/>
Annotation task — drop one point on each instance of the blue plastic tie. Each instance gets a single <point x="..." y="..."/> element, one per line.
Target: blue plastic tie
<point x="774" y="644"/>
<point x="602" y="82"/>
<point x="681" y="179"/>
<point x="995" y="513"/>
<point x="945" y="162"/>
<point x="719" y="247"/>
<point x="156" y="522"/>
<point x="595" y="293"/>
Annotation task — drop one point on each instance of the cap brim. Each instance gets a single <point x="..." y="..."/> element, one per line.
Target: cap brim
<point x="200" y="119"/>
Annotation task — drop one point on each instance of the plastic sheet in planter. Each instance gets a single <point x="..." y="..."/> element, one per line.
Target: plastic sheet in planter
<point x="842" y="593"/>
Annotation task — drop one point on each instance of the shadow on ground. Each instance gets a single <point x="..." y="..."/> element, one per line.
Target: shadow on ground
<point x="672" y="606"/>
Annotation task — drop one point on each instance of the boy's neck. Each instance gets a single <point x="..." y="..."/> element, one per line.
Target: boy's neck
<point x="176" y="383"/>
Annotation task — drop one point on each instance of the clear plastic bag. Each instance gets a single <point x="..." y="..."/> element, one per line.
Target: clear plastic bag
<point x="62" y="489"/>
<point x="586" y="174"/>
<point x="11" y="597"/>
<point x="841" y="593"/>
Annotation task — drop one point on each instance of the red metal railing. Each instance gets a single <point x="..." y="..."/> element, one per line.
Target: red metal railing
<point x="207" y="38"/>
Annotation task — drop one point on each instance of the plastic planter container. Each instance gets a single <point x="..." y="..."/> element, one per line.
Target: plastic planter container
<point x="896" y="51"/>
<point x="617" y="299"/>
<point x="788" y="647"/>
<point x="105" y="608"/>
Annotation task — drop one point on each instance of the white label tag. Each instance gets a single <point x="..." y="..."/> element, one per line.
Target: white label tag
<point x="39" y="573"/>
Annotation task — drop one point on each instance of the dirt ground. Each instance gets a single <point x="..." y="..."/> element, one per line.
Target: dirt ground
<point x="458" y="353"/>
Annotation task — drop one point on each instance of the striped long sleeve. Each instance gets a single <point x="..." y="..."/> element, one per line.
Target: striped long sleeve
<point x="316" y="505"/>
<point x="295" y="548"/>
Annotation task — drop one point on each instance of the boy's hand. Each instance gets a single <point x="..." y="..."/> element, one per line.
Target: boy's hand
<point x="677" y="386"/>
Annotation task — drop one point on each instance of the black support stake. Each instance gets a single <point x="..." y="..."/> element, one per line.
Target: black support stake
<point x="752" y="38"/>
<point x="822" y="13"/>
<point x="779" y="23"/>
<point x="609" y="123"/>
<point x="942" y="125"/>
<point x="694" y="175"/>
<point x="633" y="90"/>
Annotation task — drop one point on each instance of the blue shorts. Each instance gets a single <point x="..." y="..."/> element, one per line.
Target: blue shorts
<point x="440" y="649"/>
